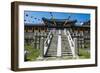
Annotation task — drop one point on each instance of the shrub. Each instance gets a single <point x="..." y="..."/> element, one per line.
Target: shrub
<point x="32" y="53"/>
<point x="83" y="53"/>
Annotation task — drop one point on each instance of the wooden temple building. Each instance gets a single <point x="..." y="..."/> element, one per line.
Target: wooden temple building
<point x="82" y="32"/>
<point x="57" y="23"/>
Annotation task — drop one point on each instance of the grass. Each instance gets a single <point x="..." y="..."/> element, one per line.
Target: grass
<point x="32" y="53"/>
<point x="84" y="54"/>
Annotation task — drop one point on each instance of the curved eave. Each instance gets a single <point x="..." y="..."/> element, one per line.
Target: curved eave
<point x="59" y="21"/>
<point x="27" y="24"/>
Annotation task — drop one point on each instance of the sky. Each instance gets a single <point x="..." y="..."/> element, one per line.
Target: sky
<point x="35" y="17"/>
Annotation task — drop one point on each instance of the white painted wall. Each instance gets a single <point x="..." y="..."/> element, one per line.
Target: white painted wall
<point x="5" y="26"/>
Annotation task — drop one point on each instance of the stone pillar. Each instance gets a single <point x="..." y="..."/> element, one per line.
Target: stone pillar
<point x="76" y="48"/>
<point x="41" y="49"/>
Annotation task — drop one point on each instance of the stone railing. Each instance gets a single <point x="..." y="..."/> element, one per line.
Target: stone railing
<point x="47" y="42"/>
<point x="70" y="41"/>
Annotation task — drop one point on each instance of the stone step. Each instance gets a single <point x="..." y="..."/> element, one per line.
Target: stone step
<point x="55" y="54"/>
<point x="52" y="54"/>
<point x="67" y="55"/>
<point x="61" y="52"/>
<point x="67" y="52"/>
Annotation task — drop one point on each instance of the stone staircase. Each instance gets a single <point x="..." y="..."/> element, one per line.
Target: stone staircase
<point x="52" y="50"/>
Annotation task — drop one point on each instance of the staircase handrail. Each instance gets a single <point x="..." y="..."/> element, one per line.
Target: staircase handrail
<point x="47" y="42"/>
<point x="71" y="42"/>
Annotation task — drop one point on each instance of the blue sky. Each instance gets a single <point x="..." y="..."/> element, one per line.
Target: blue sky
<point x="35" y="17"/>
